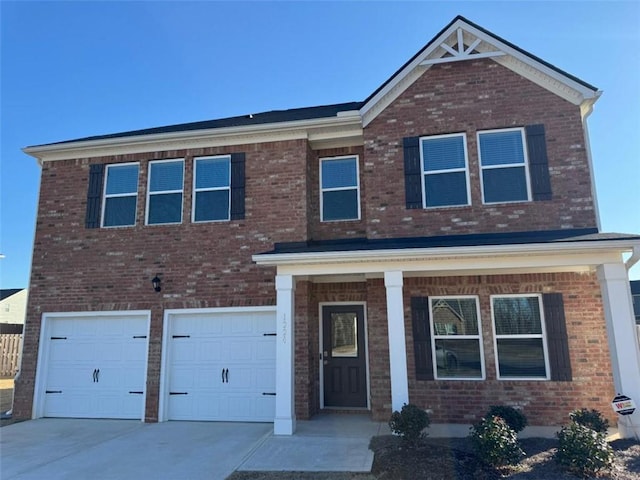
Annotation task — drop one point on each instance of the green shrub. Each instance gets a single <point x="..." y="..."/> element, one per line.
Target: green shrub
<point x="409" y="423"/>
<point x="583" y="451"/>
<point x="514" y="418"/>
<point x="495" y="442"/>
<point x="592" y="419"/>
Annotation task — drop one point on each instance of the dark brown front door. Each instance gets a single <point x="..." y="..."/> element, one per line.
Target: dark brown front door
<point x="343" y="356"/>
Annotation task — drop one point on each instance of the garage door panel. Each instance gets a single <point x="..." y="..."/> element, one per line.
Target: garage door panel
<point x="95" y="367"/>
<point x="232" y="342"/>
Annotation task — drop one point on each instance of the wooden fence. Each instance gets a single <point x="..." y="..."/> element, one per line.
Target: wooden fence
<point x="10" y="345"/>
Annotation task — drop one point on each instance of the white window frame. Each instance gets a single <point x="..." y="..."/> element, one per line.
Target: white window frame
<point x="435" y="336"/>
<point x="356" y="188"/>
<point x="524" y="165"/>
<point x="209" y="189"/>
<point x="542" y="335"/>
<point x="105" y="196"/>
<point x="163" y="192"/>
<point x="424" y="173"/>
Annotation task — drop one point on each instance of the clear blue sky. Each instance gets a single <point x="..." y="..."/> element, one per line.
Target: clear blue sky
<point x="74" y="69"/>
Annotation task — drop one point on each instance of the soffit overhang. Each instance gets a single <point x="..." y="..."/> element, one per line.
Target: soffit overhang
<point x="579" y="257"/>
<point x="344" y="130"/>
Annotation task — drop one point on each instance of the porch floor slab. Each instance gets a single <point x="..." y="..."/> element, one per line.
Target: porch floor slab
<point x="326" y="443"/>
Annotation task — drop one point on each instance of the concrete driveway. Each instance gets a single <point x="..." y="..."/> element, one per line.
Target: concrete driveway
<point x="56" y="449"/>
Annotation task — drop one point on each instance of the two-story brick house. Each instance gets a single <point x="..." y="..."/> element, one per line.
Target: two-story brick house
<point x="437" y="243"/>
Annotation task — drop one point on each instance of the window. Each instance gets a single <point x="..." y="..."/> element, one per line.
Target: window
<point x="519" y="333"/>
<point x="120" y="195"/>
<point x="503" y="161"/>
<point x="340" y="189"/>
<point x="212" y="189"/>
<point x="164" y="202"/>
<point x="636" y="307"/>
<point x="444" y="166"/>
<point x="456" y="341"/>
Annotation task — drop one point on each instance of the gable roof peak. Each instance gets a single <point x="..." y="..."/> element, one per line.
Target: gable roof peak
<point x="464" y="40"/>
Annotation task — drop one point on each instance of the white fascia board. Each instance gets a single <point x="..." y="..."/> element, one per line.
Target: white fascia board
<point x="538" y="257"/>
<point x="266" y="132"/>
<point x="584" y="91"/>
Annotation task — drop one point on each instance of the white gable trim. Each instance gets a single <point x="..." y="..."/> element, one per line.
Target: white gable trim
<point x="449" y="46"/>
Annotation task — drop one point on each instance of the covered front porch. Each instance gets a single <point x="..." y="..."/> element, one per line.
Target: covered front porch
<point x="382" y="277"/>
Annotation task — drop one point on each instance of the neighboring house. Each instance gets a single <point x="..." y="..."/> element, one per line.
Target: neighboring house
<point x="437" y="243"/>
<point x="13" y="305"/>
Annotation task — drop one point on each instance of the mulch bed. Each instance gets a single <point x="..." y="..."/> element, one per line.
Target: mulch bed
<point x="453" y="459"/>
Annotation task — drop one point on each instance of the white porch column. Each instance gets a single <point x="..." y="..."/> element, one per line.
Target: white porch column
<point x="623" y="343"/>
<point x="397" y="345"/>
<point x="285" y="421"/>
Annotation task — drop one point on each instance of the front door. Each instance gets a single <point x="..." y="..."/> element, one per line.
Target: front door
<point x="343" y="356"/>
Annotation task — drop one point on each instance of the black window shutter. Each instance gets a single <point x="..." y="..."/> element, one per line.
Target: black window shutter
<point x="422" y="338"/>
<point x="557" y="338"/>
<point x="94" y="196"/>
<point x="237" y="186"/>
<point x="412" y="172"/>
<point x="538" y="162"/>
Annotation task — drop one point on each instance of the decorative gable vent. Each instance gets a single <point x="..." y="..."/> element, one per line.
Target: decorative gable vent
<point x="461" y="45"/>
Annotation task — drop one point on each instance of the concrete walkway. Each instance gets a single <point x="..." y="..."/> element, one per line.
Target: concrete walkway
<point x="74" y="449"/>
<point x="326" y="443"/>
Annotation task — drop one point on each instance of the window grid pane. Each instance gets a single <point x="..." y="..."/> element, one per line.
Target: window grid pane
<point x="165" y="208"/>
<point x="122" y="179"/>
<point x="443" y="153"/>
<point x="339" y="173"/>
<point x="501" y="148"/>
<point x="166" y="176"/>
<point x="457" y="346"/>
<point x="212" y="205"/>
<point x="445" y="189"/>
<point x="504" y="184"/>
<point x="120" y="211"/>
<point x="213" y="172"/>
<point x="340" y="205"/>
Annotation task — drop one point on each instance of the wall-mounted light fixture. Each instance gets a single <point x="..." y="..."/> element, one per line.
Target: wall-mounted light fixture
<point x="156" y="283"/>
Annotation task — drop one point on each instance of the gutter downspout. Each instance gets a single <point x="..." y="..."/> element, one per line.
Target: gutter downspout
<point x="633" y="259"/>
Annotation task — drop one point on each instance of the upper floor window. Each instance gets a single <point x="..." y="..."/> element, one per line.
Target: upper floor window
<point x="503" y="161"/>
<point x="120" y="195"/>
<point x="519" y="334"/>
<point x="340" y="189"/>
<point x="457" y="344"/>
<point x="444" y="166"/>
<point x="164" y="195"/>
<point x="212" y="188"/>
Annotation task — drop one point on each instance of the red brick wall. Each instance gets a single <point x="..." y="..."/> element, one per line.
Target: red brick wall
<point x="467" y="97"/>
<point x="201" y="265"/>
<point x="544" y="402"/>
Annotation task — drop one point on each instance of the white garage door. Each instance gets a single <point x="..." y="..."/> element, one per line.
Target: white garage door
<point x="95" y="366"/>
<point x="221" y="366"/>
